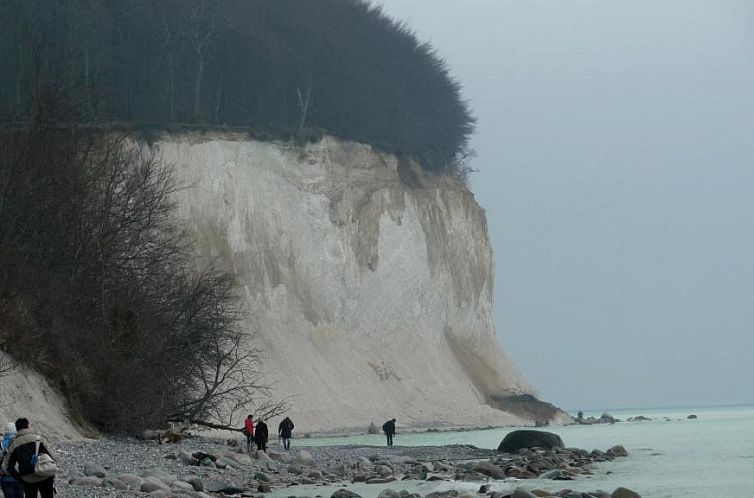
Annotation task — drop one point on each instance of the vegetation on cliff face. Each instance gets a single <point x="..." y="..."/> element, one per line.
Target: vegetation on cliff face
<point x="98" y="284"/>
<point x="284" y="66"/>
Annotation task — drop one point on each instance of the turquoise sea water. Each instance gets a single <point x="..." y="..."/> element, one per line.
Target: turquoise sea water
<point x="669" y="456"/>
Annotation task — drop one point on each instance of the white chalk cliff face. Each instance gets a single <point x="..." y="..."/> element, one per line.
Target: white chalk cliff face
<point x="372" y="299"/>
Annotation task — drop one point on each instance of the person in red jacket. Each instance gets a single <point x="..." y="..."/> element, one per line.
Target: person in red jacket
<point x="248" y="430"/>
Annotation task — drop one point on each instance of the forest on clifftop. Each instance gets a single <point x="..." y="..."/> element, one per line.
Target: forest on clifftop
<point x="286" y="68"/>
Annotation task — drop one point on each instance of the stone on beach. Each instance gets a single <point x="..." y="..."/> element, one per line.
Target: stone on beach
<point x="86" y="481"/>
<point x="153" y="484"/>
<point x="130" y="479"/>
<point x="344" y="493"/>
<point x="522" y="493"/>
<point x="388" y="493"/>
<point x="94" y="471"/>
<point x="625" y="493"/>
<point x="524" y="439"/>
<point x="305" y="458"/>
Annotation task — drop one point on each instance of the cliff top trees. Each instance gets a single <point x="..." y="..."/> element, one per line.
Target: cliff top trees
<point x="278" y="65"/>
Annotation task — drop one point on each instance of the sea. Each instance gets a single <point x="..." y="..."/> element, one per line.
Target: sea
<point x="670" y="456"/>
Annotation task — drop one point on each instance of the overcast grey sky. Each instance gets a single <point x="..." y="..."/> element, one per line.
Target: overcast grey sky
<point x="616" y="153"/>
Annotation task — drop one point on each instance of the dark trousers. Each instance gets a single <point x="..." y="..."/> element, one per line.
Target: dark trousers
<point x="11" y="488"/>
<point x="44" y="488"/>
<point x="261" y="445"/>
<point x="249" y="440"/>
<point x="389" y="436"/>
<point x="286" y="443"/>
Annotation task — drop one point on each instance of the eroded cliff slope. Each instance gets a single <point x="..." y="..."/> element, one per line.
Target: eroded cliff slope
<point x="373" y="299"/>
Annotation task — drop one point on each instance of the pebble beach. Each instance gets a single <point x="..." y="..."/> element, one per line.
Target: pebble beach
<point x="202" y="467"/>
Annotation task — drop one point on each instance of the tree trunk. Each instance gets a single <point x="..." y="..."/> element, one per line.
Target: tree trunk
<point x="198" y="83"/>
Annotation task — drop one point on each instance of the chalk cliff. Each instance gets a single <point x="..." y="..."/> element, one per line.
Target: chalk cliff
<point x="372" y="298"/>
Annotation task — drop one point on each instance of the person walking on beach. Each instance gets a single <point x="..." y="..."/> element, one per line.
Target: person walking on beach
<point x="248" y="431"/>
<point x="261" y="435"/>
<point x="285" y="430"/>
<point x="10" y="486"/>
<point x="389" y="429"/>
<point x="20" y="459"/>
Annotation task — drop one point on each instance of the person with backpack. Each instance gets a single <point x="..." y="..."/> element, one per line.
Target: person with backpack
<point x="248" y="431"/>
<point x="285" y="430"/>
<point x="389" y="429"/>
<point x="30" y="460"/>
<point x="261" y="435"/>
<point x="8" y="484"/>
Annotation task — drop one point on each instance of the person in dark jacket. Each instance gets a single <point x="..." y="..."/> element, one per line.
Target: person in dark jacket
<point x="261" y="435"/>
<point x="389" y="429"/>
<point x="18" y="461"/>
<point x="10" y="486"/>
<point x="285" y="430"/>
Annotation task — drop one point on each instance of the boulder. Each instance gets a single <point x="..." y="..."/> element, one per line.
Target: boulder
<point x="241" y="458"/>
<point x="187" y="458"/>
<point x="222" y="487"/>
<point x="373" y="429"/>
<point x="264" y="487"/>
<point x="153" y="484"/>
<point x="344" y="493"/>
<point x="692" y="417"/>
<point x="261" y="476"/>
<point x="599" y="494"/>
<point x="522" y="493"/>
<point x="516" y="440"/>
<point x="85" y="481"/>
<point x="112" y="482"/>
<point x="304" y="458"/>
<point x="94" y="471"/>
<point x="384" y="470"/>
<point x="489" y="469"/>
<point x="160" y="493"/>
<point x="314" y="474"/>
<point x="625" y="493"/>
<point x="131" y="479"/>
<point x="380" y="480"/>
<point x="182" y="486"/>
<point x="161" y="476"/>
<point x="606" y="418"/>
<point x="552" y="474"/>
<point x="617" y="451"/>
<point x="295" y="469"/>
<point x="195" y="481"/>
<point x="279" y="457"/>
<point x="229" y="462"/>
<point x="388" y="493"/>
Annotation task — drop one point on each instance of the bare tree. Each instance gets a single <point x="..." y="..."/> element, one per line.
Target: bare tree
<point x="134" y="334"/>
<point x="201" y="35"/>
<point x="303" y="102"/>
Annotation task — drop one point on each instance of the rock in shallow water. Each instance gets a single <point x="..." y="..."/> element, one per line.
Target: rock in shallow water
<point x="522" y="493"/>
<point x="517" y="440"/>
<point x="625" y="493"/>
<point x="344" y="493"/>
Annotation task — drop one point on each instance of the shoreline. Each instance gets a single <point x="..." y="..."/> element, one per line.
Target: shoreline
<point x="203" y="467"/>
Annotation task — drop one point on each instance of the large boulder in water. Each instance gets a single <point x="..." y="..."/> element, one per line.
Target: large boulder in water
<point x="517" y="440"/>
